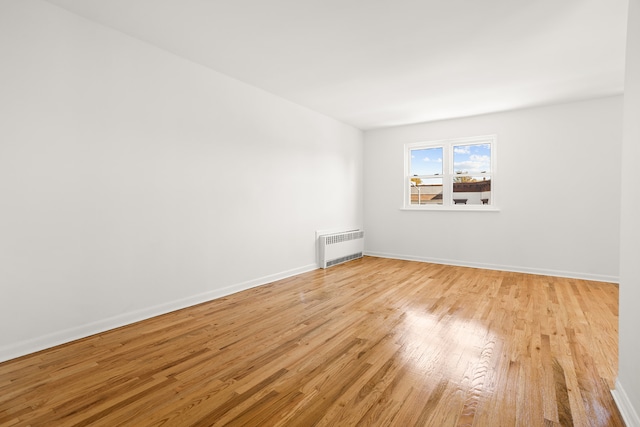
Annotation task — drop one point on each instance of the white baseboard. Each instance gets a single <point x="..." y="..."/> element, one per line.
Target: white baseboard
<point x="628" y="412"/>
<point x="515" y="269"/>
<point x="61" y="337"/>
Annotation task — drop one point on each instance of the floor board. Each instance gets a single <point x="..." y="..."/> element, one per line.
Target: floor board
<point x="372" y="342"/>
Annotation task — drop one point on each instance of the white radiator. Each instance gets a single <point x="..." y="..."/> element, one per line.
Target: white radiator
<point x="336" y="248"/>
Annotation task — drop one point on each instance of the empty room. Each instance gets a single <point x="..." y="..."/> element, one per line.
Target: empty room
<point x="319" y="213"/>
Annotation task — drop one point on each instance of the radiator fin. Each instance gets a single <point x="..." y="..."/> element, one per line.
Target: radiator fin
<point x="344" y="237"/>
<point x="344" y="259"/>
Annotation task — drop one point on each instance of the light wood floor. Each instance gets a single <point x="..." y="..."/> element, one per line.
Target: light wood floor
<point x="372" y="342"/>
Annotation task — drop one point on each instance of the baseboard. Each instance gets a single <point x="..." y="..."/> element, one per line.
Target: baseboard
<point x="628" y="412"/>
<point x="515" y="269"/>
<point x="61" y="337"/>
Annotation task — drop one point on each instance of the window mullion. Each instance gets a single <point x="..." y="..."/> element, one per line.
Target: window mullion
<point x="447" y="184"/>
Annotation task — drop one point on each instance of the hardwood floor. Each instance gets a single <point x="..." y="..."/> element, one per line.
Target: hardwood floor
<point x="372" y="342"/>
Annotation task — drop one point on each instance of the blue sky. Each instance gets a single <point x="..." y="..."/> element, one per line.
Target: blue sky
<point x="472" y="159"/>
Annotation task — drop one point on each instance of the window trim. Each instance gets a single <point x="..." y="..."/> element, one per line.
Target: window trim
<point x="448" y="173"/>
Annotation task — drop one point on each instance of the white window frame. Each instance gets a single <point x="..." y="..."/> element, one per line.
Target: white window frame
<point x="448" y="173"/>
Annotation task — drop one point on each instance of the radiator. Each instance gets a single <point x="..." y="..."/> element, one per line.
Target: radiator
<point x="336" y="248"/>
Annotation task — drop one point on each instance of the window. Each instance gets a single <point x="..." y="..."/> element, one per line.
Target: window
<point x="453" y="174"/>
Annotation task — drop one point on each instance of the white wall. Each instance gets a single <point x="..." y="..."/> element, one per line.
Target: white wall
<point x="544" y="154"/>
<point x="627" y="391"/>
<point x="133" y="182"/>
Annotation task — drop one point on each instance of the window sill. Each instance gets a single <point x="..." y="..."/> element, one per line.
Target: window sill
<point x="458" y="208"/>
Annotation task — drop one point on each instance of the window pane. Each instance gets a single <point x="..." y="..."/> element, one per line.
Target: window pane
<point x="472" y="159"/>
<point x="426" y="161"/>
<point x="426" y="191"/>
<point x="472" y="190"/>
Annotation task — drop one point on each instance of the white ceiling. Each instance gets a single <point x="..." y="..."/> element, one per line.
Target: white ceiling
<point x="377" y="63"/>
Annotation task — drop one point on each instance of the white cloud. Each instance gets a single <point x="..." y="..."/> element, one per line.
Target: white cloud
<point x="426" y="159"/>
<point x="482" y="159"/>
<point x="462" y="149"/>
<point x="471" y="167"/>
